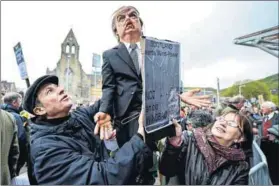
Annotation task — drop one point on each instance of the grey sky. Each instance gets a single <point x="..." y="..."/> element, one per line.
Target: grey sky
<point x="205" y="30"/>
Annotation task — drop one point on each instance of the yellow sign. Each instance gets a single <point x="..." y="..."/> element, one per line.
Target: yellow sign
<point x="261" y="99"/>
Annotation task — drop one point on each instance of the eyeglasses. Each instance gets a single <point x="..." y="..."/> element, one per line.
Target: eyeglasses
<point x="132" y="15"/>
<point x="229" y="123"/>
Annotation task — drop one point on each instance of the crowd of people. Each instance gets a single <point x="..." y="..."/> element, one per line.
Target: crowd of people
<point x="210" y="147"/>
<point x="92" y="144"/>
<point x="263" y="119"/>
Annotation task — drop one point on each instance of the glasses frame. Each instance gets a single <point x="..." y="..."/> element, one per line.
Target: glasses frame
<point x="221" y="118"/>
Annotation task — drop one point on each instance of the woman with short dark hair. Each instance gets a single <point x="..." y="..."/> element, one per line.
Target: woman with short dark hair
<point x="215" y="155"/>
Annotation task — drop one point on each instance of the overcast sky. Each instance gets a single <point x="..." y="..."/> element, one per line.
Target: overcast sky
<point x="205" y="30"/>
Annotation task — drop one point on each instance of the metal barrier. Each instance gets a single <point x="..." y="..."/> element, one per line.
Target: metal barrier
<point x="259" y="174"/>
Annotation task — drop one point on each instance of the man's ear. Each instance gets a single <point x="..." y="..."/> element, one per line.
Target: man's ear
<point x="14" y="102"/>
<point x="40" y="111"/>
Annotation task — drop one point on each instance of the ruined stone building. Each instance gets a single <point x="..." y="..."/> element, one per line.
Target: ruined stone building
<point x="77" y="83"/>
<point x="6" y="86"/>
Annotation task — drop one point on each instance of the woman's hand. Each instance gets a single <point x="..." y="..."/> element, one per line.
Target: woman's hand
<point x="176" y="141"/>
<point x="198" y="101"/>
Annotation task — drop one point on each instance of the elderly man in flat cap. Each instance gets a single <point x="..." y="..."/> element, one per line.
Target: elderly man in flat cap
<point x="64" y="148"/>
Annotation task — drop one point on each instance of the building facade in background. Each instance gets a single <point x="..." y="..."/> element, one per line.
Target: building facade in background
<point x="7" y="87"/>
<point x="96" y="78"/>
<point x="69" y="70"/>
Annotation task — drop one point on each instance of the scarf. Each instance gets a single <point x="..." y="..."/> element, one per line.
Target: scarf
<point x="214" y="153"/>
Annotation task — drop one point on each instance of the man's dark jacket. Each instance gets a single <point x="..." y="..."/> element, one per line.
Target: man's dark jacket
<point x="69" y="153"/>
<point x="120" y="81"/>
<point x="271" y="151"/>
<point x="187" y="162"/>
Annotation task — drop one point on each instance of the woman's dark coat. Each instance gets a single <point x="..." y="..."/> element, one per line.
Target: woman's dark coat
<point x="188" y="164"/>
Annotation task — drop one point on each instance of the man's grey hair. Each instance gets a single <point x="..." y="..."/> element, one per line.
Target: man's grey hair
<point x="269" y="104"/>
<point x="114" y="16"/>
<point x="10" y="97"/>
<point x="237" y="99"/>
<point x="199" y="118"/>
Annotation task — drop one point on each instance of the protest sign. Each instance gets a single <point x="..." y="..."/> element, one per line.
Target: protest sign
<point x="161" y="83"/>
<point x="20" y="61"/>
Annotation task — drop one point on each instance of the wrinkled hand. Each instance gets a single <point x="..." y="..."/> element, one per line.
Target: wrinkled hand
<point x="198" y="101"/>
<point x="141" y="127"/>
<point x="103" y="124"/>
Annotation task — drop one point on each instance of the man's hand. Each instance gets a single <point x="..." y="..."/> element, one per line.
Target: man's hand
<point x="103" y="124"/>
<point x="271" y="137"/>
<point x="198" y="101"/>
<point x="255" y="131"/>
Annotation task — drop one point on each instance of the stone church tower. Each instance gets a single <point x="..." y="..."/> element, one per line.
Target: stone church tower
<point x="70" y="73"/>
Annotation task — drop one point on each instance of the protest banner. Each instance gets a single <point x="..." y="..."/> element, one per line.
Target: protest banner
<point x="21" y="63"/>
<point x="161" y="83"/>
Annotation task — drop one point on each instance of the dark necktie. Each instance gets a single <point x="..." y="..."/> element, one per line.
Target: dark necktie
<point x="134" y="56"/>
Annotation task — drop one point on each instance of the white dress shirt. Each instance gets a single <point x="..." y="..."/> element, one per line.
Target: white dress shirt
<point x="138" y="52"/>
<point x="270" y="115"/>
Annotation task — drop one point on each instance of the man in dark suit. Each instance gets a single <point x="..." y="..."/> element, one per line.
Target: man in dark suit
<point x="121" y="73"/>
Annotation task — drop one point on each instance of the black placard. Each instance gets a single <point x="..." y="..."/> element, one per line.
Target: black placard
<point x="161" y="80"/>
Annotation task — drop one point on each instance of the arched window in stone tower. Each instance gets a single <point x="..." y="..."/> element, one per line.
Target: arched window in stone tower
<point x="73" y="49"/>
<point x="67" y="49"/>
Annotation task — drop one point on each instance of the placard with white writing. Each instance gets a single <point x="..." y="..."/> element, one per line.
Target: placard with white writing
<point x="161" y="79"/>
<point x="20" y="61"/>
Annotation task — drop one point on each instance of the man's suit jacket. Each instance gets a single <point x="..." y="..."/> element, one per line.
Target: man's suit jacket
<point x="270" y="123"/>
<point x="120" y="81"/>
